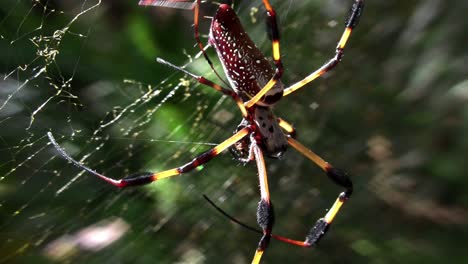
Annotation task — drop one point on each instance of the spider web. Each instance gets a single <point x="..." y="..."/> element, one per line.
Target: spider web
<point x="86" y="71"/>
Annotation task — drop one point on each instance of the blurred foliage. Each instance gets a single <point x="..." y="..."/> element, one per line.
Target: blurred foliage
<point x="394" y="113"/>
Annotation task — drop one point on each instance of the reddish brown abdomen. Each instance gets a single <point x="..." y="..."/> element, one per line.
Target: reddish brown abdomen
<point x="244" y="64"/>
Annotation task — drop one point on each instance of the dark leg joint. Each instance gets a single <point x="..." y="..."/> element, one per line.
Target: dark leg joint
<point x="279" y="70"/>
<point x="354" y="14"/>
<point x="272" y="26"/>
<point x="293" y="134"/>
<point x="203" y="158"/>
<point x="265" y="219"/>
<point x="138" y="179"/>
<point x="271" y="99"/>
<point x="341" y="178"/>
<point x="344" y="196"/>
<point x="339" y="55"/>
<point x="317" y="232"/>
<point x="333" y="62"/>
<point x="264" y="242"/>
<point x="265" y="216"/>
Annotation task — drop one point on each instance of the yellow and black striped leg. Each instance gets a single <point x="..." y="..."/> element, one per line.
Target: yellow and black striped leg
<point x="148" y="177"/>
<point x="265" y="214"/>
<point x="274" y="35"/>
<point x="351" y="23"/>
<point x="339" y="177"/>
<point x="211" y="84"/>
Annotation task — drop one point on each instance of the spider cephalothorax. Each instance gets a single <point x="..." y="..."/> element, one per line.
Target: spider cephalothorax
<point x="266" y="133"/>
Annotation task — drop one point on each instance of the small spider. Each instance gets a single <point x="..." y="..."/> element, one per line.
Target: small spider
<point x="256" y="87"/>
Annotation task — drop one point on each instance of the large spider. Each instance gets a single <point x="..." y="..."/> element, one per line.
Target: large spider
<point x="256" y="87"/>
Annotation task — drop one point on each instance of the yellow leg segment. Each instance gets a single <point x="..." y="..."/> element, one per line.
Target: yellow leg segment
<point x="257" y="257"/>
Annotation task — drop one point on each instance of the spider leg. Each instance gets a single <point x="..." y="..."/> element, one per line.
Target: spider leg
<point x="253" y="229"/>
<point x="195" y="7"/>
<point x="351" y="22"/>
<point x="211" y="84"/>
<point x="273" y="34"/>
<point x="179" y="4"/>
<point x="148" y="177"/>
<point x="287" y="127"/>
<point x="196" y="12"/>
<point x="339" y="177"/>
<point x="265" y="214"/>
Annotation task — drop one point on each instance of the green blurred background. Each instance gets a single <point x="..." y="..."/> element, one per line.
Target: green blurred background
<point x="394" y="114"/>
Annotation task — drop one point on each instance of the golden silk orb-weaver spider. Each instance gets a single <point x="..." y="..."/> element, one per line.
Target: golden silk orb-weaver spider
<point x="255" y="87"/>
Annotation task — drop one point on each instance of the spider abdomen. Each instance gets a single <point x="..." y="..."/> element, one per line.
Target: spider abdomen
<point x="245" y="66"/>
